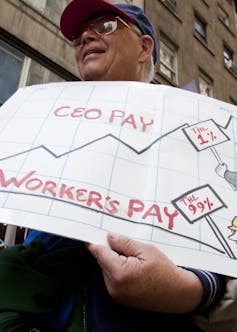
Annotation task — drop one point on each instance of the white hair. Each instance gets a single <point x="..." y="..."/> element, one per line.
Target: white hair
<point x="149" y="67"/>
<point x="150" y="70"/>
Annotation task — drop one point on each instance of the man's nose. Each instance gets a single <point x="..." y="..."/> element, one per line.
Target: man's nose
<point x="88" y="35"/>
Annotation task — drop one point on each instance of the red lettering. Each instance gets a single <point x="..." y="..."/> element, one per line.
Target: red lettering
<point x="154" y="211"/>
<point x="57" y="112"/>
<point x="93" y="114"/>
<point x="135" y="206"/>
<point x="171" y="217"/>
<point x="49" y="186"/>
<point x="79" y="193"/>
<point x="112" y="208"/>
<point x="33" y="184"/>
<point x="77" y="112"/>
<point x="130" y="120"/>
<point x="65" y="111"/>
<point x="116" y="114"/>
<point x="17" y="183"/>
<point x="145" y="124"/>
<point x="95" y="198"/>
<point x="64" y="190"/>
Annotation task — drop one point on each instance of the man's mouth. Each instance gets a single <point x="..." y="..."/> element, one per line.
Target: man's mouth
<point x="92" y="52"/>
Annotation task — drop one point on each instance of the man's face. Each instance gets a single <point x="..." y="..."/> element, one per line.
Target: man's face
<point x="108" y="57"/>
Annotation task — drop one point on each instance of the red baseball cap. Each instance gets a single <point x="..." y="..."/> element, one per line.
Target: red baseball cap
<point x="78" y="12"/>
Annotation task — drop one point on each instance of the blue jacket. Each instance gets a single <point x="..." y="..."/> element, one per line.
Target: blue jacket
<point x="73" y="297"/>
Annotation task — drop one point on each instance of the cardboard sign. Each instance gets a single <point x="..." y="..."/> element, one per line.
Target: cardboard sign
<point x="155" y="163"/>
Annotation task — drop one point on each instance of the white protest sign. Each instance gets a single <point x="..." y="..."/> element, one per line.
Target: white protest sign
<point x="155" y="163"/>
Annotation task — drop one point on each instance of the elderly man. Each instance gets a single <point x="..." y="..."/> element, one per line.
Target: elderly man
<point x="129" y="286"/>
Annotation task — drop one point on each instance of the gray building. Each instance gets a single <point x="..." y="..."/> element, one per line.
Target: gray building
<point x="197" y="49"/>
<point x="198" y="45"/>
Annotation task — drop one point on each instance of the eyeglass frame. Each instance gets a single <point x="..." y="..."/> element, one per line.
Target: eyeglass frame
<point x="77" y="42"/>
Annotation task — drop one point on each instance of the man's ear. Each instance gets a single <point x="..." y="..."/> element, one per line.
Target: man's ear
<point x="147" y="47"/>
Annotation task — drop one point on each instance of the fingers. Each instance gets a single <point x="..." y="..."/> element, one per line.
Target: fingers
<point x="116" y="257"/>
<point x="123" y="245"/>
<point x="107" y="258"/>
<point x="120" y="247"/>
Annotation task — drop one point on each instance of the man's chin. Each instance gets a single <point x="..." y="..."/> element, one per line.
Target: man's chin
<point x="93" y="75"/>
<point x="92" y="78"/>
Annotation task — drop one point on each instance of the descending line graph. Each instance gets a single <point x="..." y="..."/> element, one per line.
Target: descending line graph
<point x="117" y="217"/>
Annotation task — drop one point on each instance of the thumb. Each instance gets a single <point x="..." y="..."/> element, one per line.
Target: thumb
<point x="124" y="246"/>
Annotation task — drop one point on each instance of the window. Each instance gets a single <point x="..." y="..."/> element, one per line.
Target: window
<point x="168" y="60"/>
<point x="10" y="70"/>
<point x="18" y="70"/>
<point x="50" y="8"/>
<point x="38" y="74"/>
<point x="223" y="16"/>
<point x="53" y="9"/>
<point x="205" y="85"/>
<point x="171" y="4"/>
<point x="227" y="55"/>
<point x="200" y="29"/>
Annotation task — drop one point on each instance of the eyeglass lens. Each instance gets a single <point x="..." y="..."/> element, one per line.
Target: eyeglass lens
<point x="101" y="26"/>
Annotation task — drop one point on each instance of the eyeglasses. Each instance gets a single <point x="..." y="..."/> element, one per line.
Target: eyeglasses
<point x="101" y="26"/>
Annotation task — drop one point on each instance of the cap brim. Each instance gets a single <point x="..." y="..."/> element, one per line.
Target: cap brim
<point x="79" y="11"/>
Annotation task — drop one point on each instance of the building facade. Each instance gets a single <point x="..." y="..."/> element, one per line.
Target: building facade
<point x="32" y="49"/>
<point x="197" y="49"/>
<point x="198" y="45"/>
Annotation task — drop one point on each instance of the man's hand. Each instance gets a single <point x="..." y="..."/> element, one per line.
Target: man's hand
<point x="141" y="276"/>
